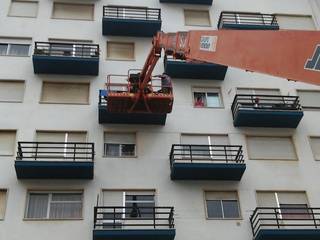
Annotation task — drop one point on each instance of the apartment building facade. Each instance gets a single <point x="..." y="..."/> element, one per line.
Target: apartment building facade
<point x="237" y="158"/>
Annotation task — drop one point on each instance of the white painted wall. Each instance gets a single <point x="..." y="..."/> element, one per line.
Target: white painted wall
<point x="151" y="168"/>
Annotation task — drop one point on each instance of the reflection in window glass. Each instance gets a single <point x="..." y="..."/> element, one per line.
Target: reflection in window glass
<point x="213" y="100"/>
<point x="214" y="209"/>
<point x="19" y="50"/>
<point x="230" y="208"/>
<point x="3" y="49"/>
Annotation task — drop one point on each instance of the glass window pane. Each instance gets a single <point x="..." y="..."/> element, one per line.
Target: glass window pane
<point x="65" y="210"/>
<point x="112" y="150"/>
<point x="19" y="49"/>
<point x="295" y="211"/>
<point x="213" y="100"/>
<point x="127" y="149"/>
<point x="3" y="49"/>
<point x="66" y="197"/>
<point x="138" y="207"/>
<point x="38" y="205"/>
<point x="199" y="99"/>
<point x="230" y="209"/>
<point x="214" y="209"/>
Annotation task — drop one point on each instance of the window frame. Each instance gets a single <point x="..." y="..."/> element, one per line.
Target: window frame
<point x="50" y="193"/>
<point x="108" y="58"/>
<point x="14" y="144"/>
<point x="104" y="155"/>
<point x="73" y="3"/>
<point x="309" y="139"/>
<point x="207" y="90"/>
<point x="273" y="136"/>
<point x="6" y="190"/>
<point x="308" y="108"/>
<point x="296" y="15"/>
<point x="9" y="45"/>
<point x="24" y="1"/>
<point x="222" y="191"/>
<point x="196" y="10"/>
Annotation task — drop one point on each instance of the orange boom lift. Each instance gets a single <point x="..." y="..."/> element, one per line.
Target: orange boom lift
<point x="292" y="55"/>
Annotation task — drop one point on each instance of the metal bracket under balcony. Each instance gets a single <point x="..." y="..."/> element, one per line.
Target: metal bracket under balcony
<point x="131" y="21"/>
<point x="54" y="160"/>
<point x="291" y="223"/>
<point x="206" y="162"/>
<point x="202" y="2"/>
<point x="247" y="21"/>
<point x="134" y="223"/>
<point x="192" y="70"/>
<point x="66" y="58"/>
<point x="266" y="111"/>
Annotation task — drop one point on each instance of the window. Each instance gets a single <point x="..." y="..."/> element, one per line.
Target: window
<point x="3" y="203"/>
<point x="7" y="142"/>
<point x="18" y="50"/>
<point x="120" y="51"/>
<point x="55" y="205"/>
<point x="293" y="205"/>
<point x="49" y="136"/>
<point x="222" y="205"/>
<point x="73" y="11"/>
<point x="309" y="99"/>
<point x="119" y="144"/>
<point x="207" y="98"/>
<point x="315" y="147"/>
<point x="271" y="148"/>
<point x="68" y="93"/>
<point x="20" y="8"/>
<point x="11" y="91"/>
<point x="295" y="22"/>
<point x="197" y="18"/>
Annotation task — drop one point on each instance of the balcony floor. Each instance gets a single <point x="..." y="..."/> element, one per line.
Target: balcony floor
<point x="288" y="234"/>
<point x="134" y="234"/>
<point x="65" y="65"/>
<point x="248" y="26"/>
<point x="53" y="170"/>
<point x="207" y="171"/>
<point x="131" y="118"/>
<point x="178" y="69"/>
<point x="130" y="27"/>
<point x="267" y="118"/>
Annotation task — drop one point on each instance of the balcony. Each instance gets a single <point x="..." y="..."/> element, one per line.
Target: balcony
<point x="292" y="223"/>
<point x="117" y="100"/>
<point x="266" y="111"/>
<point x="182" y="69"/>
<point x="206" y="162"/>
<point x="54" y="160"/>
<point x="202" y="2"/>
<point x="133" y="223"/>
<point x="247" y="21"/>
<point x="66" y="58"/>
<point x="131" y="21"/>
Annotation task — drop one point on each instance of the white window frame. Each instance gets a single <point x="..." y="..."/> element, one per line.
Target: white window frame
<point x="207" y="90"/>
<point x="309" y="108"/>
<point x="50" y="193"/>
<point x="24" y="1"/>
<point x="119" y="144"/>
<point x="73" y="3"/>
<point x="5" y="203"/>
<point x="9" y="45"/>
<point x="108" y="58"/>
<point x="197" y="10"/>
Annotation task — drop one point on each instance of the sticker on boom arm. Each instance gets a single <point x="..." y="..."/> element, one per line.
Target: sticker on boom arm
<point x="208" y="43"/>
<point x="313" y="64"/>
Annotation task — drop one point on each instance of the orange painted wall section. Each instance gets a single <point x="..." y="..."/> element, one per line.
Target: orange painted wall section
<point x="281" y="53"/>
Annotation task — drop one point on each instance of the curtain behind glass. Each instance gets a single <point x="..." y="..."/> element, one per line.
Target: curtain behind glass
<point x="38" y="205"/>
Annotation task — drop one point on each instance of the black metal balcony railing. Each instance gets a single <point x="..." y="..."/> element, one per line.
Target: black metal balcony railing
<point x="284" y="218"/>
<point x="133" y="217"/>
<point x="55" y="151"/>
<point x="265" y="102"/>
<point x="138" y="13"/>
<point x="247" y="18"/>
<point x="206" y="153"/>
<point x="66" y="49"/>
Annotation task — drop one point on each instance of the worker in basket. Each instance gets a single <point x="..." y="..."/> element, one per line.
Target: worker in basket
<point x="165" y="83"/>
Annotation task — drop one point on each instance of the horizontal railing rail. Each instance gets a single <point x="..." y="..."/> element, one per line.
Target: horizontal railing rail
<point x="55" y="151"/>
<point x="66" y="49"/>
<point x="284" y="218"/>
<point x="126" y="12"/>
<point x="265" y="102"/>
<point x="133" y="217"/>
<point x="247" y="18"/>
<point x="206" y="153"/>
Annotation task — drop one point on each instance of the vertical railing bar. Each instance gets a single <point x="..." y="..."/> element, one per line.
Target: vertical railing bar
<point x="74" y="151"/>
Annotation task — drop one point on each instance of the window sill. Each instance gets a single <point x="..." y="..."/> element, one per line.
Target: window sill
<point x="24" y="56"/>
<point x="121" y="59"/>
<point x="223" y="219"/>
<point x="73" y="19"/>
<point x="22" y="16"/>
<point x="208" y="107"/>
<point x="11" y="101"/>
<point x="47" y="219"/>
<point x="61" y="103"/>
<point x="126" y="157"/>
